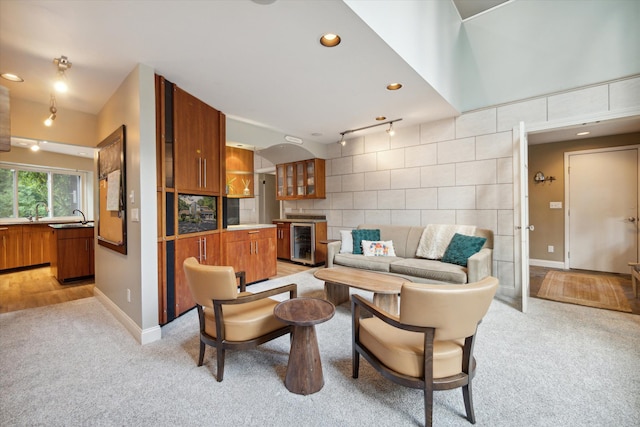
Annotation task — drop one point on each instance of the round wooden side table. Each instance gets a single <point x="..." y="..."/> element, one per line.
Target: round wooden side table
<point x="304" y="370"/>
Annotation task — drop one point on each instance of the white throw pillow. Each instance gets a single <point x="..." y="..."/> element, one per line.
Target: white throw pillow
<point x="378" y="248"/>
<point x="436" y="237"/>
<point x="347" y="242"/>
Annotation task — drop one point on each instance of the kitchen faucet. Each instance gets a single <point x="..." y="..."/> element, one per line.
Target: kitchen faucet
<point x="46" y="209"/>
<point x="84" y="218"/>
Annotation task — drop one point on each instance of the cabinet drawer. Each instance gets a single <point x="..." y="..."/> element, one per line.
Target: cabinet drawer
<point x="250" y="234"/>
<point x="74" y="233"/>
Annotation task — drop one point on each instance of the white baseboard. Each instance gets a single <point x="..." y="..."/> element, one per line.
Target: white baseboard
<point x="145" y="336"/>
<point x="546" y="263"/>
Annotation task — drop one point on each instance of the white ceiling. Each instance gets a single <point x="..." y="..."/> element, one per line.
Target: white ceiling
<point x="257" y="61"/>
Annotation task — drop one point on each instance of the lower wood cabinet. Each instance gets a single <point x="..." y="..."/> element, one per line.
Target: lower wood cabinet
<point x="36" y="246"/>
<point x="72" y="253"/>
<point x="252" y="251"/>
<point x="11" y="247"/>
<point x="206" y="248"/>
<point x="24" y="245"/>
<point x="284" y="239"/>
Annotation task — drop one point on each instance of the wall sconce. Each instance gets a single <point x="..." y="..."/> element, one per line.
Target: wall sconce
<point x="539" y="178"/>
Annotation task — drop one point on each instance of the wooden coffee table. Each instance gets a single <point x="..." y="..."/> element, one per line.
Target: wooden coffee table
<point x="385" y="288"/>
<point x="304" y="370"/>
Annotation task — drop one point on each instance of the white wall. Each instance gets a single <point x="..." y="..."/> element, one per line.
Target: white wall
<point x="528" y="48"/>
<point x="429" y="39"/>
<point x="133" y="105"/>
<point x="453" y="171"/>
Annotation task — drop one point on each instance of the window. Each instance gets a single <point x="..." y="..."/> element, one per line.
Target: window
<point x="54" y="192"/>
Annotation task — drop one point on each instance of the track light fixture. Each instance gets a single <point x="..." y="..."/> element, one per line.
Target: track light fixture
<point x="390" y="131"/>
<point x="52" y="110"/>
<point x="63" y="65"/>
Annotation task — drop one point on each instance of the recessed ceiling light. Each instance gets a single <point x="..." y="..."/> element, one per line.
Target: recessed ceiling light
<point x="394" y="86"/>
<point x="380" y="118"/>
<point x="330" y="40"/>
<point x="12" y="77"/>
<point x="583" y="133"/>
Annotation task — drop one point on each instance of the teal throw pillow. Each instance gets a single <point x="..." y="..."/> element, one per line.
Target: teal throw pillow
<point x="461" y="248"/>
<point x="363" y="234"/>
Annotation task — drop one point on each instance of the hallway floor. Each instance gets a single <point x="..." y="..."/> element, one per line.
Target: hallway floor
<point x="36" y="287"/>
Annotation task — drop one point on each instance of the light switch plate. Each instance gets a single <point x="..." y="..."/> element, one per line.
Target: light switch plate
<point x="135" y="217"/>
<point x="555" y="205"/>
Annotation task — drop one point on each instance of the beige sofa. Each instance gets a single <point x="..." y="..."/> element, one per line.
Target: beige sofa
<point x="405" y="264"/>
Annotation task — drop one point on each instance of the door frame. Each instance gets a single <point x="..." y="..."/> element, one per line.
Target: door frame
<point x="567" y="154"/>
<point x="520" y="174"/>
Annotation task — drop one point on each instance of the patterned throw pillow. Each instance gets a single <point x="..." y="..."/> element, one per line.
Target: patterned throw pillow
<point x="378" y="248"/>
<point x="461" y="248"/>
<point x="363" y="234"/>
<point x="347" y="242"/>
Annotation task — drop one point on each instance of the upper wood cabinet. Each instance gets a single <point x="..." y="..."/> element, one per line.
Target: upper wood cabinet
<point x="239" y="179"/>
<point x="197" y="142"/>
<point x="301" y="180"/>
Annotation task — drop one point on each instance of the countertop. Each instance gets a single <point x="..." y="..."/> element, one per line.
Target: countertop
<point x="249" y="226"/>
<point x="24" y="221"/>
<point x="299" y="220"/>
<point x="89" y="224"/>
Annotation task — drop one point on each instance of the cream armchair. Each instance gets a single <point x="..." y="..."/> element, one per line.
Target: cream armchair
<point x="228" y="319"/>
<point x="430" y="344"/>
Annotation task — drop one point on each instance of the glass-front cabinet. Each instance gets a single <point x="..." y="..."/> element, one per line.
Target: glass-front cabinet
<point x="301" y="180"/>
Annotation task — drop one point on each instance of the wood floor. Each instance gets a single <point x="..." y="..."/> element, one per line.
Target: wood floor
<point x="36" y="287"/>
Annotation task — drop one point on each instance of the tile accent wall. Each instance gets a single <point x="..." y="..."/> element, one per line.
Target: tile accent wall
<point x="453" y="171"/>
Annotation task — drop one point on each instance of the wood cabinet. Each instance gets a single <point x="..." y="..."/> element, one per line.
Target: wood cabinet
<point x="72" y="253"/>
<point x="24" y="245"/>
<point x="301" y="180"/>
<point x="36" y="246"/>
<point x="283" y="234"/>
<point x="206" y="248"/>
<point x="252" y="251"/>
<point x="190" y="151"/>
<point x="239" y="174"/>
<point x="11" y="247"/>
<point x="197" y="141"/>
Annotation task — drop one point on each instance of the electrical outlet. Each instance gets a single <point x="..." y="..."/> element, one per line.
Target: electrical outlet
<point x="555" y="205"/>
<point x="128" y="295"/>
<point x="550" y="249"/>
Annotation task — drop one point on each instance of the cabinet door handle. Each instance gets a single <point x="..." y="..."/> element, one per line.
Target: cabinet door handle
<point x="199" y="249"/>
<point x="199" y="172"/>
<point x="204" y="245"/>
<point x="205" y="173"/>
<point x="256" y="248"/>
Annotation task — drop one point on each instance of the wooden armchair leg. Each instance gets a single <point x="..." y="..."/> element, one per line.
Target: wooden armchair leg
<point x="355" y="364"/>
<point x="468" y="402"/>
<point x="220" y="359"/>
<point x="428" y="405"/>
<point x="201" y="357"/>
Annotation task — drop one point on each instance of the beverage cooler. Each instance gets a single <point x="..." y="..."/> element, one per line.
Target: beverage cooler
<point x="303" y="243"/>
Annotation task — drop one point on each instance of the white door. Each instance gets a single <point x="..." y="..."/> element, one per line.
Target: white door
<point x="521" y="216"/>
<point x="602" y="214"/>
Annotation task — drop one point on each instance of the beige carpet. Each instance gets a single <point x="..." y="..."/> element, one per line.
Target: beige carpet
<point x="584" y="289"/>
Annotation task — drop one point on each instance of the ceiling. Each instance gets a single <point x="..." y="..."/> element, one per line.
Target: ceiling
<point x="258" y="61"/>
